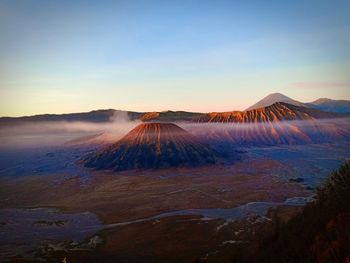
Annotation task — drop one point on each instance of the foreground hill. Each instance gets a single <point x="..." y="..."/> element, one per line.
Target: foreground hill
<point x="153" y="145"/>
<point x="321" y="233"/>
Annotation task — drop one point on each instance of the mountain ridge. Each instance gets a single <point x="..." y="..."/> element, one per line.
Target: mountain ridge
<point x="324" y="104"/>
<point x="315" y="110"/>
<point x="278" y="111"/>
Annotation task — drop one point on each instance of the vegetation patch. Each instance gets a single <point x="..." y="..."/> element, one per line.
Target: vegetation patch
<point x="320" y="233"/>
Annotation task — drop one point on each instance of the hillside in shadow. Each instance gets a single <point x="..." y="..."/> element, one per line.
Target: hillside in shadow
<point x="320" y="233"/>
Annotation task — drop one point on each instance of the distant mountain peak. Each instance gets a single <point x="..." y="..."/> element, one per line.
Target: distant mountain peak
<point x="277" y="94"/>
<point x="321" y="100"/>
<point x="273" y="98"/>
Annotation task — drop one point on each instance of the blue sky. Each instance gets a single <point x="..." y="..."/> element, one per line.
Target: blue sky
<point x="71" y="56"/>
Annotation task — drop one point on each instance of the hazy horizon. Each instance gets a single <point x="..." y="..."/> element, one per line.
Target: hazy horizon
<point x="198" y="56"/>
<point x="128" y="110"/>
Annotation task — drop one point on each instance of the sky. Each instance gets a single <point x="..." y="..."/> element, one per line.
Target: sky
<point x="74" y="56"/>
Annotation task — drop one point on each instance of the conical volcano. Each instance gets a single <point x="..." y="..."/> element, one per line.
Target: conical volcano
<point x="153" y="145"/>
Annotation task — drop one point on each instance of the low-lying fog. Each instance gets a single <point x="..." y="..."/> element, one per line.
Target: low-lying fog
<point x="310" y="148"/>
<point x="40" y="134"/>
<point x="51" y="133"/>
<point x="273" y="133"/>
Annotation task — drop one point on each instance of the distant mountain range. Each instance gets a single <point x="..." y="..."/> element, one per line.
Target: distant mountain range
<point x="278" y="111"/>
<point x="339" y="106"/>
<point x="274" y="107"/>
<point x="92" y="116"/>
<point x="324" y="104"/>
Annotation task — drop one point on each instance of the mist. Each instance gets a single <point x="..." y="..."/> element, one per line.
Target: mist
<point x="272" y="133"/>
<point x="58" y="133"/>
<point x="63" y="133"/>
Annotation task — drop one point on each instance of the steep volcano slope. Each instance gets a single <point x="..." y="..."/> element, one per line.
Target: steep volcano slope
<point x="272" y="133"/>
<point x="279" y="111"/>
<point x="153" y="145"/>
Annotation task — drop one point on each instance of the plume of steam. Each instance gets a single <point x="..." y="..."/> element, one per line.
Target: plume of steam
<point x="54" y="133"/>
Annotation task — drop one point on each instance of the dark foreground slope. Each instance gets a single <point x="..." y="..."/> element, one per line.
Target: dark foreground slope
<point x="321" y="233"/>
<point x="153" y="145"/>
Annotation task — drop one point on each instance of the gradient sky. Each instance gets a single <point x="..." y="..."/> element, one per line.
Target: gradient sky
<point x="71" y="56"/>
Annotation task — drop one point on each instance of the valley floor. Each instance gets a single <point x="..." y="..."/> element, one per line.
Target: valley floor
<point x="271" y="174"/>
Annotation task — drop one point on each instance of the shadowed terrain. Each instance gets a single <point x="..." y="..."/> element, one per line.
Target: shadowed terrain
<point x="321" y="233"/>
